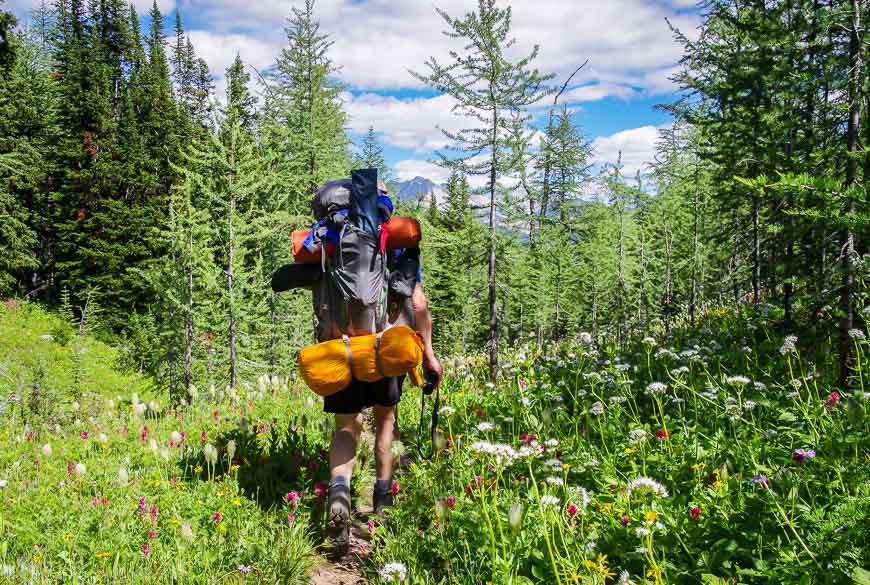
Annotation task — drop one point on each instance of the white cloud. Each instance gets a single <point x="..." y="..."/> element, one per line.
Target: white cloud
<point x="376" y="42"/>
<point x="411" y="124"/>
<point x="407" y="169"/>
<point x="637" y="146"/>
<point x="596" y="91"/>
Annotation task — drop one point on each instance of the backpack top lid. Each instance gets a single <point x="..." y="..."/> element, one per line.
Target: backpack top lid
<point x="332" y="196"/>
<point x="363" y="211"/>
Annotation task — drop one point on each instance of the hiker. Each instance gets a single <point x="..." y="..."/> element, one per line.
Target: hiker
<point x="344" y="306"/>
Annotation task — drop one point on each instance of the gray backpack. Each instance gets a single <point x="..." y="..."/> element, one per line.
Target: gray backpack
<point x="366" y="288"/>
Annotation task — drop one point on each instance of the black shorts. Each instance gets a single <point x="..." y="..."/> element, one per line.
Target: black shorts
<point x="361" y="395"/>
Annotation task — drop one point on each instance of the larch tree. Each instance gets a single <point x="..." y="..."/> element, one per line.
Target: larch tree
<point x="492" y="90"/>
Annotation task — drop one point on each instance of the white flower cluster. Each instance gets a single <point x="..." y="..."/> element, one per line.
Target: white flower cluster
<point x="656" y="388"/>
<point x="788" y="345"/>
<point x="617" y="399"/>
<point x="737" y="380"/>
<point x="857" y="334"/>
<point x="447" y="411"/>
<point x="637" y="436"/>
<point x="597" y="409"/>
<point x="557" y="481"/>
<point x="581" y="496"/>
<point x="503" y="454"/>
<point x="485" y="427"/>
<point x="645" y="484"/>
<point x="549" y="500"/>
<point x="394" y="572"/>
<point x="649" y="341"/>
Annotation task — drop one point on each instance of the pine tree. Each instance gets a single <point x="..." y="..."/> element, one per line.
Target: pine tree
<point x="371" y="155"/>
<point x="240" y="103"/>
<point x="491" y="88"/>
<point x="305" y="117"/>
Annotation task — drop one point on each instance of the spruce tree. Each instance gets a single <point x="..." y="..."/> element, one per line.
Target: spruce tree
<point x="492" y="89"/>
<point x="371" y="155"/>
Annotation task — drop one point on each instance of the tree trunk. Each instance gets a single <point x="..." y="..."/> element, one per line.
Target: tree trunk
<point x="852" y="132"/>
<point x="594" y="310"/>
<point x="230" y="266"/>
<point x="693" y="300"/>
<point x="188" y="329"/>
<point x="756" y="251"/>
<point x="493" y="313"/>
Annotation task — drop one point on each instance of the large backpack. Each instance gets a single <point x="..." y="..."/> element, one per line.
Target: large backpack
<point x="365" y="288"/>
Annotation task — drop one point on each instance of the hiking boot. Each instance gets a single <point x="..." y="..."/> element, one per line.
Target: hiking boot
<point x="381" y="500"/>
<point x="338" y="521"/>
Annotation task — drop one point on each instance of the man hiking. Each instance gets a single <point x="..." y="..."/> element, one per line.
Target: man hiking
<point x="367" y="288"/>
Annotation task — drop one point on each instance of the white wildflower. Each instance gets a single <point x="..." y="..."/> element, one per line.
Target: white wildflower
<point x="558" y="481"/>
<point x="176" y="437"/>
<point x="624" y="579"/>
<point x="656" y="388"/>
<point x="580" y="495"/>
<point x="394" y="572"/>
<point x="46" y="450"/>
<point x="641" y="550"/>
<point x="102" y="439"/>
<point x="585" y="339"/>
<point x="548" y="500"/>
<point x="640" y="531"/>
<point x="597" y="409"/>
<point x="4" y="483"/>
<point x="737" y="380"/>
<point x="123" y="476"/>
<point x="647" y="485"/>
<point x="139" y="409"/>
<point x="857" y="334"/>
<point x="788" y="345"/>
<point x="447" y="411"/>
<point x="80" y="470"/>
<point x="617" y="399"/>
<point x="515" y="516"/>
<point x="637" y="436"/>
<point x="186" y="532"/>
<point x="749" y="404"/>
<point x="649" y="341"/>
<point x="485" y="427"/>
<point x="551" y="443"/>
<point x="760" y="386"/>
<point x="680" y="371"/>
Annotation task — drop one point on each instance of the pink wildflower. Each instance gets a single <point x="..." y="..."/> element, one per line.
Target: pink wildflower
<point x="217" y="518"/>
<point x="143" y="507"/>
<point x="451" y="501"/>
<point x="394" y="488"/>
<point x="572" y="510"/>
<point x="203" y="436"/>
<point x="293" y="499"/>
<point x="695" y="513"/>
<point x="290" y="518"/>
<point x="625" y="520"/>
<point x="152" y="535"/>
<point x="146" y="550"/>
<point x="371" y="526"/>
<point x="85" y="435"/>
<point x="832" y="400"/>
<point x="154" y="513"/>
<point x="320" y="489"/>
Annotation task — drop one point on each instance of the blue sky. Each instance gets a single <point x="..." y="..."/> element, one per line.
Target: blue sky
<point x="629" y="46"/>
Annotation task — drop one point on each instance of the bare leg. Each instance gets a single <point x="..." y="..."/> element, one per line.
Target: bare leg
<point x="385" y="426"/>
<point x="342" y="451"/>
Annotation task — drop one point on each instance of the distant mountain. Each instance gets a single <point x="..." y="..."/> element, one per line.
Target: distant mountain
<point x="419" y="190"/>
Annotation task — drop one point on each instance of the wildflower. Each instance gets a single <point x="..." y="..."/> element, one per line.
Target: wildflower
<point x="209" y="453"/>
<point x="637" y="436"/>
<point x="46" y="450"/>
<point x="485" y="427"/>
<point x="640" y="531"/>
<point x="558" y="481"/>
<point x="662" y="434"/>
<point x="293" y="499"/>
<point x="67" y="536"/>
<point x="788" y="345"/>
<point x="394" y="572"/>
<point x="759" y="479"/>
<point x="625" y="520"/>
<point x="146" y="550"/>
<point x="320" y="489"/>
<point x="394" y="487"/>
<point x="152" y="535"/>
<point x="749" y="404"/>
<point x="617" y="399"/>
<point x="761" y="386"/>
<point x="647" y="485"/>
<point x="186" y="532"/>
<point x="738" y="380"/>
<point x="103" y="555"/>
<point x="624" y="578"/>
<point x="695" y="513"/>
<point x="802" y="455"/>
<point x="656" y="388"/>
<point x="832" y="400"/>
<point x="80" y="470"/>
<point x="447" y="411"/>
<point x="551" y="443"/>
<point x="515" y="515"/>
<point x="571" y="510"/>
<point x="649" y="341"/>
<point x="244" y="569"/>
<point x="85" y="435"/>
<point x="549" y="500"/>
<point x="290" y="518"/>
<point x="597" y="409"/>
<point x="856" y="334"/>
<point x="218" y="516"/>
<point x="231" y="449"/>
<point x="4" y="483"/>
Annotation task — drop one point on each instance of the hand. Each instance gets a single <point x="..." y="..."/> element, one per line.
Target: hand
<point x="431" y="364"/>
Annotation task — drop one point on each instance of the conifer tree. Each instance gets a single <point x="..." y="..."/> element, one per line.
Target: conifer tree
<point x="371" y="155"/>
<point x="495" y="90"/>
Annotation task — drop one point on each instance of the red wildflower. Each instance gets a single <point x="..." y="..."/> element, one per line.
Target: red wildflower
<point x="832" y="400"/>
<point x="695" y="513"/>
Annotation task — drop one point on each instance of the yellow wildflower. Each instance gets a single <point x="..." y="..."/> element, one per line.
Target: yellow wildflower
<point x="576" y="577"/>
<point x="699" y="466"/>
<point x="37" y="558"/>
<point x="237" y="502"/>
<point x="607" y="507"/>
<point x="629" y="450"/>
<point x="222" y="528"/>
<point x="103" y="555"/>
<point x="197" y="469"/>
<point x="651" y="516"/>
<point x="220" y="494"/>
<point x="67" y="536"/>
<point x="566" y="466"/>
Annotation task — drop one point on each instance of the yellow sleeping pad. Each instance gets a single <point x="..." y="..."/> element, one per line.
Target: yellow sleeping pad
<point x="330" y="366"/>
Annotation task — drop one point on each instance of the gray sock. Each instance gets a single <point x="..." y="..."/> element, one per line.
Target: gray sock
<point x="383" y="486"/>
<point x="339" y="481"/>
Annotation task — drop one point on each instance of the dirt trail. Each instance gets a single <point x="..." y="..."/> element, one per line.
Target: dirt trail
<point x="350" y="569"/>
